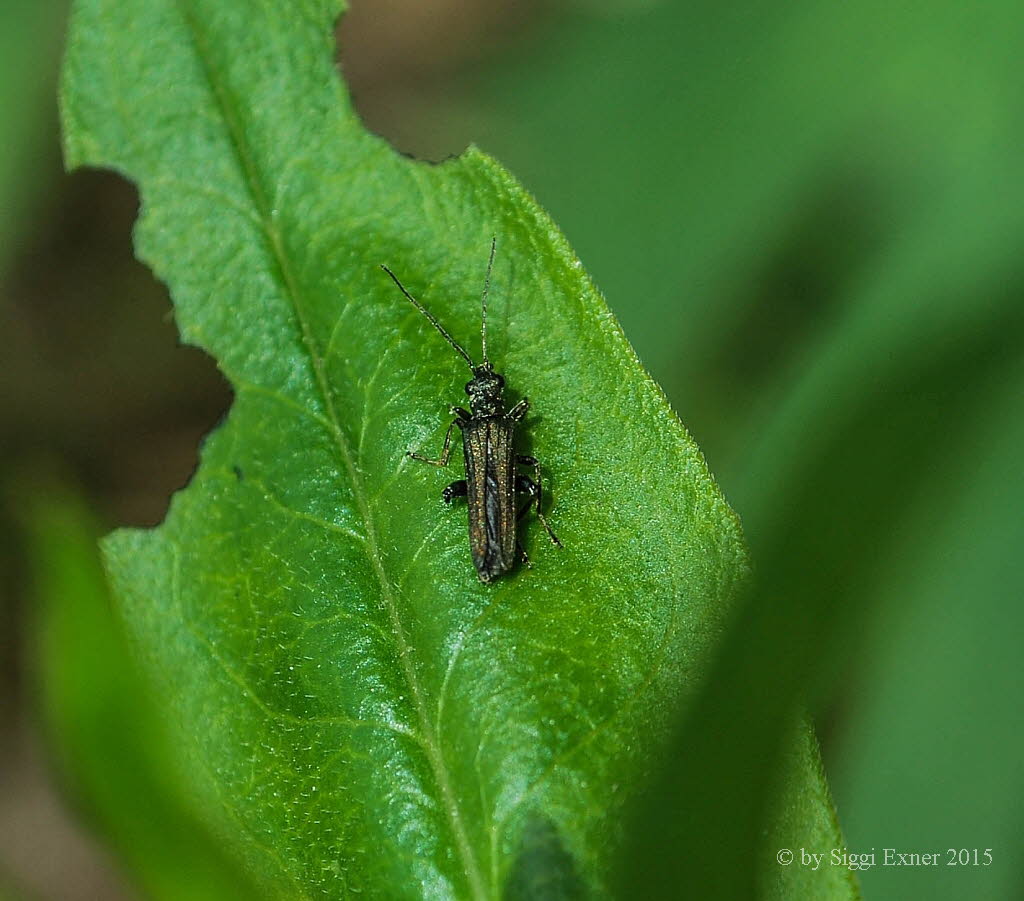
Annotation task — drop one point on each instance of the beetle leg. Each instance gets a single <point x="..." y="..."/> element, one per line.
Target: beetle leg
<point x="528" y="486"/>
<point x="456" y="489"/>
<point x="522" y="555"/>
<point x="461" y="416"/>
<point x="518" y="411"/>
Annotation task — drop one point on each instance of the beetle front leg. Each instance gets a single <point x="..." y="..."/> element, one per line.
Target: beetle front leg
<point x="518" y="411"/>
<point x="461" y="416"/>
<point x="528" y="486"/>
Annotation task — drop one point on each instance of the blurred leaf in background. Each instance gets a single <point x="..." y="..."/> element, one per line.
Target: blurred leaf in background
<point x="29" y="34"/>
<point x="929" y="752"/>
<point x="26" y="74"/>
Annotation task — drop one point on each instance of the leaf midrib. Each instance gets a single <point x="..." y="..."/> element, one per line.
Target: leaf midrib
<point x="250" y="177"/>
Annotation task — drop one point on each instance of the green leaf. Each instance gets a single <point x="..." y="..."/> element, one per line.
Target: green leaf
<point x="356" y="711"/>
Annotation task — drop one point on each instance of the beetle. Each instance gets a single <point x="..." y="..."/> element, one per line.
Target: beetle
<point x="488" y="432"/>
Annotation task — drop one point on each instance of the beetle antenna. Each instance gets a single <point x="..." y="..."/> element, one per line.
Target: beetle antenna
<point x="430" y="316"/>
<point x="483" y="300"/>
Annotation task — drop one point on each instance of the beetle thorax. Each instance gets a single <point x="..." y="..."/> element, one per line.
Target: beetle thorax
<point x="485" y="390"/>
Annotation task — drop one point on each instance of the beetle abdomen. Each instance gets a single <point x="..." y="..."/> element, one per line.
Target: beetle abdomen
<point x="490" y="479"/>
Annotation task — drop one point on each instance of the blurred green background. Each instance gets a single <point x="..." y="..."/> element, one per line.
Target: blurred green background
<point x="809" y="217"/>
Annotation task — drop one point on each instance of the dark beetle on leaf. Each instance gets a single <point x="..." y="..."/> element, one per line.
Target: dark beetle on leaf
<point x="488" y="432"/>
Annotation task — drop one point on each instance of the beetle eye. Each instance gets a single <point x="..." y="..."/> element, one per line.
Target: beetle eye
<point x="467" y="386"/>
<point x="501" y="380"/>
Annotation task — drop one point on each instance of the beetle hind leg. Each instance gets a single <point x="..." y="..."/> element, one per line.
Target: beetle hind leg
<point x="454" y="490"/>
<point x="521" y="551"/>
<point x="525" y="485"/>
